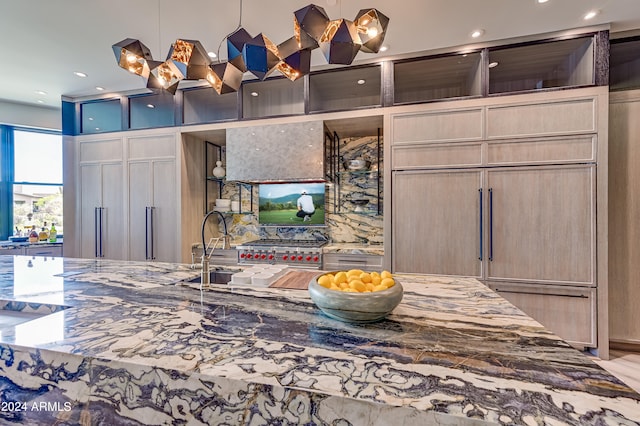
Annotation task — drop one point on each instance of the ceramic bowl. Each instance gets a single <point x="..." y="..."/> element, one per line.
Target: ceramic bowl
<point x="355" y="307"/>
<point x="357" y="164"/>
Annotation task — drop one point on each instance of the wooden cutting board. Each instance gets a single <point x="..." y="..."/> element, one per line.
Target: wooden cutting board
<point x="295" y="280"/>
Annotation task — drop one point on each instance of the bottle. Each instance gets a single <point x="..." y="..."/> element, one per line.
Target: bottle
<point x="53" y="233"/>
<point x="44" y="234"/>
<point x="33" y="235"/>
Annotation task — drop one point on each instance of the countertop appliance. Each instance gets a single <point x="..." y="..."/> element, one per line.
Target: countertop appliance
<point x="296" y="253"/>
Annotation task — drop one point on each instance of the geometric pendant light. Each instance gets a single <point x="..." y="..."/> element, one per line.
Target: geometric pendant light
<point x="372" y="27"/>
<point x="340" y="41"/>
<point x="132" y="55"/>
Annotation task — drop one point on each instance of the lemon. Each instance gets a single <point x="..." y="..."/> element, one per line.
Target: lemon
<point x="387" y="282"/>
<point x="386" y="274"/>
<point x="380" y="287"/>
<point x="365" y="277"/>
<point x="358" y="285"/>
<point x="369" y="286"/>
<point x="375" y="279"/>
<point x="349" y="290"/>
<point x="340" y="277"/>
<point x="325" y="281"/>
<point x="356" y="272"/>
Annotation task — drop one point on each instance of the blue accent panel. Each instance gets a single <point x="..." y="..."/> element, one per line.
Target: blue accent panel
<point x="70" y="118"/>
<point x="6" y="182"/>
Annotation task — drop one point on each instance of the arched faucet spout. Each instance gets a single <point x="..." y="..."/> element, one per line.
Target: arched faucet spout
<point x="224" y="227"/>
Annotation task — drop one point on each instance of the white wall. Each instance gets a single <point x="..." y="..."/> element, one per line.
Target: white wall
<point x="17" y="114"/>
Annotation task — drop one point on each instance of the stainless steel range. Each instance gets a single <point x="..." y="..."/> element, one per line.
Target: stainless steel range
<point x="302" y="253"/>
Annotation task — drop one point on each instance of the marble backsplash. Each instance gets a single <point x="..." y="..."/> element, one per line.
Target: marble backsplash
<point x="343" y="225"/>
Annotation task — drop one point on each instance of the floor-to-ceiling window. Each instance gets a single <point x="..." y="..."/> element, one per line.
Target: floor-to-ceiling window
<point x="31" y="181"/>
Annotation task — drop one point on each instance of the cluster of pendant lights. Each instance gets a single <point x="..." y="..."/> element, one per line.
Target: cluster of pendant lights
<point x="340" y="41"/>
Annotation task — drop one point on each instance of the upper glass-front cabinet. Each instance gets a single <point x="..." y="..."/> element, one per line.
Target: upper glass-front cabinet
<point x="101" y="116"/>
<point x="564" y="63"/>
<point x="272" y="97"/>
<point x="345" y="89"/>
<point x="149" y="111"/>
<point x="428" y="79"/>
<point x="624" y="63"/>
<point x="204" y="105"/>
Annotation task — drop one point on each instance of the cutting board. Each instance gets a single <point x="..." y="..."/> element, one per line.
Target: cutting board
<point x="295" y="280"/>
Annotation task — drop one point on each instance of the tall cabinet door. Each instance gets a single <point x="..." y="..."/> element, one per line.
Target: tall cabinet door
<point x="102" y="220"/>
<point x="152" y="210"/>
<point x="437" y="218"/>
<point x="541" y="225"/>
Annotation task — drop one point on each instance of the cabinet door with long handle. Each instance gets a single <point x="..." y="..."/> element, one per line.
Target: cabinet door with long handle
<point x="436" y="218"/>
<point x="541" y="225"/>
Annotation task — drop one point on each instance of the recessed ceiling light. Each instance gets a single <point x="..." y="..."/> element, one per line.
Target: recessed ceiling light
<point x="212" y="54"/>
<point x="97" y="128"/>
<point x="80" y="74"/>
<point x="361" y="81"/>
<point x="384" y="48"/>
<point x="591" y="14"/>
<point x="41" y="92"/>
<point x="90" y="118"/>
<point x="542" y="1"/>
<point x="477" y="33"/>
<point x="151" y="106"/>
<point x="100" y="88"/>
<point x="40" y="101"/>
<point x="254" y="94"/>
<point x="493" y="64"/>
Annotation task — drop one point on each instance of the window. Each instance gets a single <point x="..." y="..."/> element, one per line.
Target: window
<point x="37" y="181"/>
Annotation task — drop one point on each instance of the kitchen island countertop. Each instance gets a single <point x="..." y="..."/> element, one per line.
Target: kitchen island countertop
<point x="128" y="342"/>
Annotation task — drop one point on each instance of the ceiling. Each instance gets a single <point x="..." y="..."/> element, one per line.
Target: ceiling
<point x="52" y="39"/>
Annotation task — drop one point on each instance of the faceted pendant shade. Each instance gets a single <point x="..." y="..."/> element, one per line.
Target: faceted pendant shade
<point x="294" y="62"/>
<point x="260" y="56"/>
<point x="372" y="27"/>
<point x="340" y="41"/>
<point x="309" y="24"/>
<point x="133" y="56"/>
<point x="166" y="75"/>
<point x="235" y="45"/>
<point x="192" y="55"/>
<point x="224" y="77"/>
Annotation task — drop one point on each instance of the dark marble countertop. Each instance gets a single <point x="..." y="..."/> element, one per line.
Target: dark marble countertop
<point x="127" y="342"/>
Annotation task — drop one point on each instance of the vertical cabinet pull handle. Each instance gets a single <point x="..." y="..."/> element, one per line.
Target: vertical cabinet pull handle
<point x="149" y="249"/>
<point x="481" y="224"/>
<point x="146" y="233"/>
<point x="100" y="230"/>
<point x="95" y="229"/>
<point x="490" y="224"/>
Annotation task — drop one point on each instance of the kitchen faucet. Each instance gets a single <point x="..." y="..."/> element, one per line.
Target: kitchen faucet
<point x="204" y="277"/>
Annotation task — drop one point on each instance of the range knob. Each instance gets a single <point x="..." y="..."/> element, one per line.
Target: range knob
<point x="316" y="258"/>
<point x="242" y="255"/>
<point x="285" y="257"/>
<point x="249" y="256"/>
<point x="308" y="258"/>
<point x="299" y="257"/>
<point x="263" y="256"/>
<point x="271" y="257"/>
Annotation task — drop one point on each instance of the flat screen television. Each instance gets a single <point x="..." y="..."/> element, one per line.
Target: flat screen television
<point x="291" y="204"/>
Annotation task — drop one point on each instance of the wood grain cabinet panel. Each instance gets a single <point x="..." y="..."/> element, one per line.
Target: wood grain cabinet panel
<point x="567" y="312"/>
<point x="439" y="126"/>
<point x="542" y="224"/>
<point x="542" y="151"/>
<point x="543" y="118"/>
<point x="436" y="222"/>
<point x="436" y="155"/>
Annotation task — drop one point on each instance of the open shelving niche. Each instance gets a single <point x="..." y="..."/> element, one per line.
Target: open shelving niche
<point x="209" y="162"/>
<point x="360" y="180"/>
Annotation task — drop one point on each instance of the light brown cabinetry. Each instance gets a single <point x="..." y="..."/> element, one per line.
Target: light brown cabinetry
<point x="515" y="208"/>
<point x="624" y="218"/>
<point x="343" y="261"/>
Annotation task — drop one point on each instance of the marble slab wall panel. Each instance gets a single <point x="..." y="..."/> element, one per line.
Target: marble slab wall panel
<point x="287" y="152"/>
<point x="343" y="225"/>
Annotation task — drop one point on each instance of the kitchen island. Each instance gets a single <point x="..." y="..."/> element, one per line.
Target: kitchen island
<point x="135" y="343"/>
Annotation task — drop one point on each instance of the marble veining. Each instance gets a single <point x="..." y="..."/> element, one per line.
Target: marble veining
<point x="453" y="352"/>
